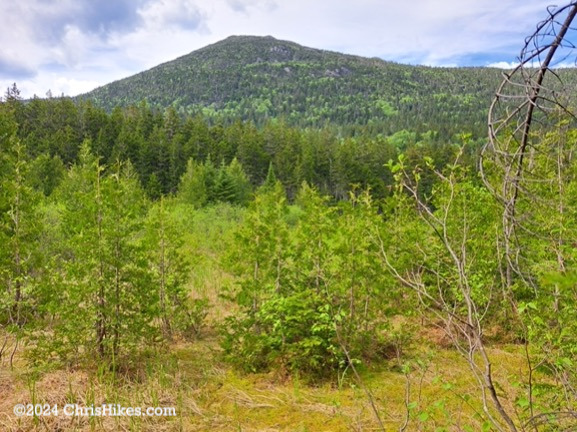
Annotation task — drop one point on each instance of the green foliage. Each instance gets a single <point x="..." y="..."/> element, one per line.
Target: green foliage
<point x="20" y="230"/>
<point x="196" y="183"/>
<point x="308" y="291"/>
<point x="153" y="187"/>
<point x="547" y="302"/>
<point x="46" y="173"/>
<point x="112" y="226"/>
<point x="203" y="184"/>
<point x="169" y="272"/>
<point x="241" y="189"/>
<point x="264" y="249"/>
<point x="270" y="181"/>
<point x="454" y="245"/>
<point x="159" y="146"/>
<point x="293" y="332"/>
<point x="102" y="300"/>
<point x="261" y="78"/>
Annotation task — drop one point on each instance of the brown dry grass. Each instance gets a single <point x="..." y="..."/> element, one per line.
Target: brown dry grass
<point x="210" y="396"/>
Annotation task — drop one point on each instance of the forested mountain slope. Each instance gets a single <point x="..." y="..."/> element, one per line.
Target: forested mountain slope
<point x="258" y="78"/>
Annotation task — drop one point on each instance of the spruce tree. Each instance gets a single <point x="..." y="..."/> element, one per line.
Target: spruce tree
<point x="260" y="257"/>
<point x="224" y="186"/>
<point x="270" y="180"/>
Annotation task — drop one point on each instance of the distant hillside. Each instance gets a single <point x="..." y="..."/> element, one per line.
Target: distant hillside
<point x="258" y="78"/>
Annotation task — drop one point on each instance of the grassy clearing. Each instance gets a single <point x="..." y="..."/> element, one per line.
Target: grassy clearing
<point x="207" y="234"/>
<point x="208" y="395"/>
<point x="437" y="394"/>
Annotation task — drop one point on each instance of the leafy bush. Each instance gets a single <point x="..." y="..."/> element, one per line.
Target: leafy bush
<point x="311" y="295"/>
<point x="296" y="333"/>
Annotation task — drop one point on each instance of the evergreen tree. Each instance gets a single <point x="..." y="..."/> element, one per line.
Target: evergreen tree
<point x="224" y="186"/>
<point x="242" y="186"/>
<point x="46" y="173"/>
<point x="192" y="189"/>
<point x="131" y="305"/>
<point x="153" y="187"/>
<point x="170" y="269"/>
<point x="20" y="230"/>
<point x="270" y="181"/>
<point x="197" y="183"/>
<point x="251" y="153"/>
<point x="107" y="305"/>
<point x="263" y="247"/>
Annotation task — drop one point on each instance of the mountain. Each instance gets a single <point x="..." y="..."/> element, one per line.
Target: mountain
<point x="258" y="78"/>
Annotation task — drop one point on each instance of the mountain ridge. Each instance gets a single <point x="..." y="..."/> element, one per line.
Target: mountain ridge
<point x="257" y="78"/>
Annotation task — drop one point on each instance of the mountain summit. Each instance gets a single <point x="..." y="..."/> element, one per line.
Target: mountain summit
<point x="258" y="78"/>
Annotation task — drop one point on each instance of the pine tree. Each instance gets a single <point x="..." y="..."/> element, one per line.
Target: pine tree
<point x="46" y="173"/>
<point x="260" y="257"/>
<point x="130" y="303"/>
<point x="262" y="248"/>
<point x="153" y="187"/>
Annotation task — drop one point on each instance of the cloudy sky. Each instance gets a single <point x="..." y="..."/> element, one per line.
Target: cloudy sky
<point x="73" y="46"/>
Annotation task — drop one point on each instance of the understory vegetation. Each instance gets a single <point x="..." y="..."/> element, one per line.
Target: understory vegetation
<point x="273" y="278"/>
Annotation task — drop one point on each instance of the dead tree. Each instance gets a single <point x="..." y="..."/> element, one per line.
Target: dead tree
<point x="528" y="165"/>
<point x="534" y="95"/>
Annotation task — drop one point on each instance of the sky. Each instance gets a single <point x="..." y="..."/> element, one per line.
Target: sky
<point x="73" y="46"/>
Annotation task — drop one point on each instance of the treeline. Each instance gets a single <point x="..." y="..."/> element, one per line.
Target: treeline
<point x="160" y="144"/>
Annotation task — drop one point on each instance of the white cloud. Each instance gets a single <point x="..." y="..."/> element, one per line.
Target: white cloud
<point x="75" y="48"/>
<point x="83" y="41"/>
<point x="244" y="6"/>
<point x="535" y="64"/>
<point x="166" y="13"/>
<point x="56" y="84"/>
<point x="73" y="86"/>
<point x="503" y="65"/>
